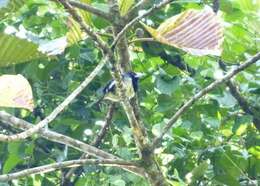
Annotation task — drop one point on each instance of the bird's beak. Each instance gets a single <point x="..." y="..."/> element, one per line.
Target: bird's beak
<point x="139" y="75"/>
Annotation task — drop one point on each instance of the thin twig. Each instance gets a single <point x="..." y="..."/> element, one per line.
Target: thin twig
<point x="65" y="164"/>
<point x="62" y="139"/>
<point x="135" y="20"/>
<point x="243" y="103"/>
<point x="57" y="110"/>
<point x="90" y="9"/>
<point x="201" y="93"/>
<point x="149" y="39"/>
<point x="134" y="10"/>
<point x="100" y="43"/>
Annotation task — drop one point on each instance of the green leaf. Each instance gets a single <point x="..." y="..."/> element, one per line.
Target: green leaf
<point x="197" y="135"/>
<point x="4" y="184"/>
<point x="15" y="50"/>
<point x="197" y="172"/>
<point x="226" y="100"/>
<point x="228" y="180"/>
<point x="10" y="163"/>
<point x="241" y="124"/>
<point x="118" y="182"/>
<point x="212" y="122"/>
<point x="167" y="86"/>
<point x="9" y="6"/>
<point x="157" y="128"/>
<point x="13" y="156"/>
<point x="249" y="5"/>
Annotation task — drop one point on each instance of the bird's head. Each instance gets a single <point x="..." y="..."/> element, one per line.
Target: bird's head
<point x="130" y="82"/>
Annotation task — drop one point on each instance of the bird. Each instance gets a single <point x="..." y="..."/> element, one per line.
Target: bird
<point x="130" y="82"/>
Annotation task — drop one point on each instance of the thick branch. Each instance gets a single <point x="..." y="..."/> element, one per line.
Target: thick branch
<point x="154" y="174"/>
<point x="65" y="164"/>
<point x="134" y="21"/>
<point x="53" y="136"/>
<point x="90" y="9"/>
<point x="201" y="93"/>
<point x="57" y="110"/>
<point x="59" y="138"/>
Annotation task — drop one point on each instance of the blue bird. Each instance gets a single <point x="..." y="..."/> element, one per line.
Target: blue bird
<point x="130" y="83"/>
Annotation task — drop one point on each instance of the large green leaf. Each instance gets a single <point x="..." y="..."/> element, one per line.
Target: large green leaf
<point x="13" y="156"/>
<point x="15" y="50"/>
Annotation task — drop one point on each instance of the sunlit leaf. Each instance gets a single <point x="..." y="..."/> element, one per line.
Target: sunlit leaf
<point x="15" y="91"/>
<point x="249" y="5"/>
<point x="197" y="32"/>
<point x="255" y="151"/>
<point x="75" y="34"/>
<point x="86" y="16"/>
<point x="125" y="5"/>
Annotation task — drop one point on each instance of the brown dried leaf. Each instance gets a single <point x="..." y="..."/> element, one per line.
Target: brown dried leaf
<point x="198" y="32"/>
<point x="15" y="92"/>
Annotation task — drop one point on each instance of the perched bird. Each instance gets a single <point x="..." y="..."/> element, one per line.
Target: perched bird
<point x="130" y="83"/>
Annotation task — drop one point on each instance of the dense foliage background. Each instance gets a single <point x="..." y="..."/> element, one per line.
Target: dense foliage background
<point x="215" y="140"/>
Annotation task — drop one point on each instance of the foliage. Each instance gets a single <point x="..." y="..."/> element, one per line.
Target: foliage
<point x="214" y="142"/>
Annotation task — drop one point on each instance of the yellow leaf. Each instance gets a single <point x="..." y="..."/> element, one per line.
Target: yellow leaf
<point x="242" y="129"/>
<point x="75" y="34"/>
<point x="86" y="16"/>
<point x="198" y="32"/>
<point x="124" y="6"/>
<point x="15" y="92"/>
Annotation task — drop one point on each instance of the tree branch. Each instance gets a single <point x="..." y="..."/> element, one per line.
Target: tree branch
<point x="90" y="9"/>
<point x="243" y="103"/>
<point x="203" y="92"/>
<point x="135" y="20"/>
<point x="99" y="42"/>
<point x="65" y="164"/>
<point x="134" y="10"/>
<point x="57" y="110"/>
<point x="234" y="89"/>
<point x="62" y="139"/>
<point x="154" y="174"/>
<point x="98" y="138"/>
